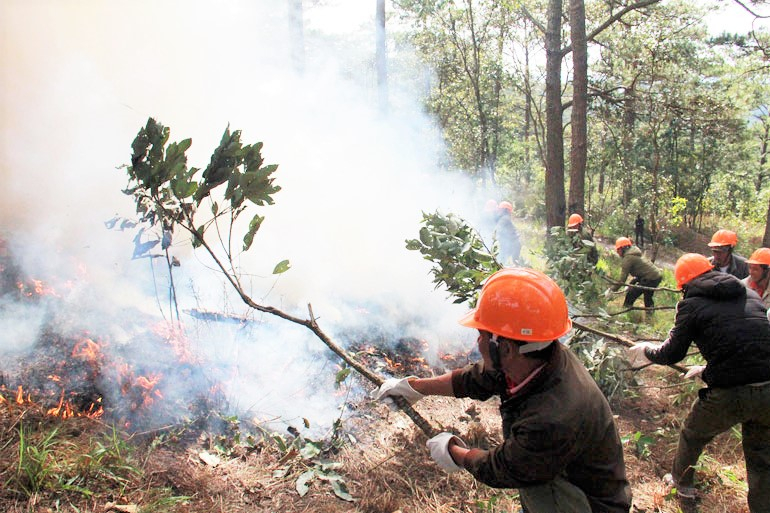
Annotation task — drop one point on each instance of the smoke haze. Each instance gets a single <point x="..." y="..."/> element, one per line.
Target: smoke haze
<point x="81" y="78"/>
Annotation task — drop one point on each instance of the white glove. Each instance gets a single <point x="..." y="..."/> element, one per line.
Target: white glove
<point x="439" y="451"/>
<point x="637" y="356"/>
<point x="397" y="387"/>
<point x="608" y="293"/>
<point x="694" y="371"/>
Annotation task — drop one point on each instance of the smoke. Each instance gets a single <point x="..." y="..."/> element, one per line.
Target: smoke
<point x="80" y="80"/>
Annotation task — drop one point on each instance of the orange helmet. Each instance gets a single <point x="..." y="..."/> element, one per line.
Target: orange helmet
<point x="689" y="266"/>
<point x="505" y="205"/>
<point x="723" y="238"/>
<point x="490" y="206"/>
<point x="623" y="242"/>
<point x="574" y="220"/>
<point x="521" y="304"/>
<point x="760" y="256"/>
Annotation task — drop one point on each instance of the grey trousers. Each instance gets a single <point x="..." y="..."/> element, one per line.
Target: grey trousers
<point x="557" y="496"/>
<point x="716" y="410"/>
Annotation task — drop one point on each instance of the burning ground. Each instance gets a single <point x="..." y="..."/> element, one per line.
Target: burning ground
<point x="98" y="422"/>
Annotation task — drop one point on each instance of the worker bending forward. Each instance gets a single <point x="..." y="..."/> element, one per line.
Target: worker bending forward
<point x="728" y="323"/>
<point x="644" y="273"/>
<point x="561" y="449"/>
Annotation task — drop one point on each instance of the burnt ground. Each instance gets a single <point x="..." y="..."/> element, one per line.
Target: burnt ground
<point x="86" y="464"/>
<point x="383" y="462"/>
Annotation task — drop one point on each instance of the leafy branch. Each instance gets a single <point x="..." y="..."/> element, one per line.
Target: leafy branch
<point x="169" y="196"/>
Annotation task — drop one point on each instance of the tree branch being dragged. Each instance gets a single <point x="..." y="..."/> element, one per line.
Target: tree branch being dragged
<point x="169" y="197"/>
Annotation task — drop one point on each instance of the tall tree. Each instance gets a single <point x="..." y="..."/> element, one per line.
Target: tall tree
<point x="579" y="135"/>
<point x="381" y="56"/>
<point x="297" y="35"/>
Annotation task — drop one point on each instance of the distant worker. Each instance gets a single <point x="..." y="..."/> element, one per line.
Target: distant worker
<point x="644" y="273"/>
<point x="507" y="236"/>
<point x="560" y="447"/>
<point x="582" y="239"/>
<point x="727" y="323"/>
<point x="723" y="258"/>
<point x="759" y="274"/>
<point x="639" y="230"/>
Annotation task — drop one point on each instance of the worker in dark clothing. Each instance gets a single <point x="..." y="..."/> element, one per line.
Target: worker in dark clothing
<point x="507" y="236"/>
<point x="644" y="273"/>
<point x="724" y="258"/>
<point x="582" y="240"/>
<point x="639" y="230"/>
<point x="561" y="447"/>
<point x="728" y="323"/>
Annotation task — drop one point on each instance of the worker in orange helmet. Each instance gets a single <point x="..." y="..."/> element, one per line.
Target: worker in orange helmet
<point x="561" y="447"/>
<point x="582" y="239"/>
<point x="724" y="258"/>
<point x="644" y="273"/>
<point x="759" y="274"/>
<point x="728" y="323"/>
<point x="507" y="235"/>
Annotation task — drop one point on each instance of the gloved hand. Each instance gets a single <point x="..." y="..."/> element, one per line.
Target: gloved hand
<point x="694" y="371"/>
<point x="607" y="293"/>
<point x="637" y="357"/>
<point x="439" y="451"/>
<point x="397" y="387"/>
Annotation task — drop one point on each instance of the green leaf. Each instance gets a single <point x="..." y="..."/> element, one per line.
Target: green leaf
<point x="341" y="491"/>
<point x="310" y="450"/>
<point x="197" y="240"/>
<point x="281" y="267"/>
<point x="341" y="376"/>
<point x="302" y="485"/>
<point x="254" y="225"/>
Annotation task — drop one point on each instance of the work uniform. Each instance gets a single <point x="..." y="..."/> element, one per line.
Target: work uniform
<point x="737" y="266"/>
<point x="645" y="273"/>
<point x="728" y="323"/>
<point x="508" y="240"/>
<point x="560" y="437"/>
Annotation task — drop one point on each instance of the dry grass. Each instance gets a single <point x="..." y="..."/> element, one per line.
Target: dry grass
<point x="386" y="470"/>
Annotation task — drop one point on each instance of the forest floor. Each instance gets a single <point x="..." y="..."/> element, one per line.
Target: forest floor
<point x="383" y="464"/>
<point x="378" y="463"/>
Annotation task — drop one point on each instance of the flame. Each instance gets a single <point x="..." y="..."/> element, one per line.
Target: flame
<point x="87" y="350"/>
<point x="35" y="288"/>
<point x="63" y="409"/>
<point x="141" y="390"/>
<point x="175" y="337"/>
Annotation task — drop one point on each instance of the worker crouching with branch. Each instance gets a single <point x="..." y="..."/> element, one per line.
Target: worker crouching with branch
<point x="644" y="273"/>
<point x="728" y="323"/>
<point x="561" y="449"/>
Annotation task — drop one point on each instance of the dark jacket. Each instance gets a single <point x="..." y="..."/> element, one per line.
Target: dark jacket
<point x="635" y="264"/>
<point x="558" y="424"/>
<point x="729" y="325"/>
<point x="508" y="240"/>
<point x="738" y="266"/>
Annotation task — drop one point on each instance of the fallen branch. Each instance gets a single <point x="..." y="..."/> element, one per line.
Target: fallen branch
<point x="619" y="339"/>
<point x="634" y="285"/>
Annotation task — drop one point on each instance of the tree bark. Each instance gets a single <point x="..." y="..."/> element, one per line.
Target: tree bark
<point x="579" y="139"/>
<point x="297" y="35"/>
<point x="554" y="169"/>
<point x="381" y="57"/>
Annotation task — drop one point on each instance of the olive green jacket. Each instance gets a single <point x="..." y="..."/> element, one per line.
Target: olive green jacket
<point x="637" y="265"/>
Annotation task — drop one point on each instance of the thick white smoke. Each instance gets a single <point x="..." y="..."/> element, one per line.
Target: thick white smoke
<point x="80" y="79"/>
